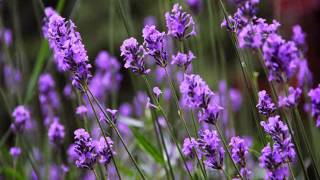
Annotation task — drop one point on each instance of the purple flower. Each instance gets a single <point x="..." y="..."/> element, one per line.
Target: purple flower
<point x="298" y="36"/>
<point x="211" y="147"/>
<point x="280" y="134"/>
<point x="292" y="99"/>
<point x="56" y="132"/>
<point x="133" y="55"/>
<point x="304" y="74"/>
<point x="265" y="105"/>
<point x="140" y="103"/>
<point x="82" y="110"/>
<point x="157" y="91"/>
<point x="105" y="150"/>
<point x="195" y="92"/>
<point x="22" y="117"/>
<point x="7" y="36"/>
<point x="188" y="146"/>
<point x="12" y="78"/>
<point x="272" y="161"/>
<point x="15" y="152"/>
<point x="239" y="151"/>
<point x="182" y="60"/>
<point x="314" y="95"/>
<point x="113" y="114"/>
<point x="154" y="41"/>
<point x="210" y="113"/>
<point x="68" y="49"/>
<point x="125" y="109"/>
<point x="85" y="149"/>
<point x="180" y="24"/>
<point x="235" y="98"/>
<point x="150" y="20"/>
<point x="194" y="5"/>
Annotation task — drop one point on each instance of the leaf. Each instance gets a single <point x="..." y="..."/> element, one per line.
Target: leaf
<point x="147" y="146"/>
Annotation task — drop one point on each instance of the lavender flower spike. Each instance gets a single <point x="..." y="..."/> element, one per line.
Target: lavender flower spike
<point x="292" y="99"/>
<point x="133" y="55"/>
<point x="15" y="152"/>
<point x="182" y="60"/>
<point x="180" y="24"/>
<point x="56" y="132"/>
<point x="314" y="95"/>
<point x="265" y="105"/>
<point x="154" y="42"/>
<point x="21" y="117"/>
<point x="105" y="150"/>
<point x="188" y="146"/>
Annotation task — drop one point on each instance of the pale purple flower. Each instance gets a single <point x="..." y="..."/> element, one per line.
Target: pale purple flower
<point x="304" y="74"/>
<point x="265" y="105"/>
<point x="194" y="5"/>
<point x="15" y="152"/>
<point x="314" y="95"/>
<point x="157" y="91"/>
<point x="56" y="133"/>
<point x="105" y="150"/>
<point x="125" y="109"/>
<point x="21" y="117"/>
<point x="292" y="99"/>
<point x="150" y="20"/>
<point x="133" y="55"/>
<point x="82" y="110"/>
<point x="113" y="114"/>
<point x="180" y="24"/>
<point x="210" y="113"/>
<point x="12" y="78"/>
<point x="189" y="145"/>
<point x="182" y="60"/>
<point x="298" y="36"/>
<point x="235" y="98"/>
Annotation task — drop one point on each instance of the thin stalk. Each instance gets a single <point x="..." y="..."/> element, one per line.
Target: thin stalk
<point x="291" y="172"/>
<point x="111" y="123"/>
<point x="183" y="120"/>
<point x="226" y="149"/>
<point x="5" y="137"/>
<point x="102" y="131"/>
<point x="225" y="173"/>
<point x="95" y="173"/>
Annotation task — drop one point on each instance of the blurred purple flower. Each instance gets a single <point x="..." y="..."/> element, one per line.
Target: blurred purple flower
<point x="189" y="146"/>
<point x="182" y="60"/>
<point x="194" y="5"/>
<point x="157" y="91"/>
<point x="105" y="150"/>
<point x="56" y="133"/>
<point x="15" y="152"/>
<point x="292" y="99"/>
<point x="22" y="117"/>
<point x="314" y="95"/>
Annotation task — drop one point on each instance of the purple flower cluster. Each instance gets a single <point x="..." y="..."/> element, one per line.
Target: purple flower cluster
<point x="292" y="99"/>
<point x="279" y="133"/>
<point x="189" y="145"/>
<point x="15" y="152"/>
<point x="197" y="95"/>
<point x="314" y="95"/>
<point x="22" y="117"/>
<point x="239" y="152"/>
<point x="194" y="5"/>
<point x="180" y="24"/>
<point x="56" y="132"/>
<point x="272" y="161"/>
<point x="87" y="151"/>
<point x="107" y="77"/>
<point x="154" y="43"/>
<point x="13" y="78"/>
<point x="66" y="44"/>
<point x="265" y="105"/>
<point x="182" y="59"/>
<point x="133" y="55"/>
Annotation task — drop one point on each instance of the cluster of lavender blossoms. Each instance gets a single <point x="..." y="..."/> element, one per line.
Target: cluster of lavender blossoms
<point x="292" y="99"/>
<point x="68" y="49"/>
<point x="87" y="151"/>
<point x="265" y="105"/>
<point x="282" y="58"/>
<point x="22" y="118"/>
<point x="314" y="95"/>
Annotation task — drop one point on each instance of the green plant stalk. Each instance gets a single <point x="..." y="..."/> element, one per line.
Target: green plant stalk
<point x="226" y="149"/>
<point x="169" y="128"/>
<point x="160" y="131"/>
<point x="225" y="174"/>
<point x="111" y="123"/>
<point x="291" y="171"/>
<point x="101" y="129"/>
<point x="182" y="119"/>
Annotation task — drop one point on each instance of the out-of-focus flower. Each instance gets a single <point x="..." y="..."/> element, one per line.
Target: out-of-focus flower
<point x="56" y="133"/>
<point x="298" y="36"/>
<point x="82" y="110"/>
<point x="292" y="99"/>
<point x="157" y="91"/>
<point x="180" y="24"/>
<point x="21" y="117"/>
<point x="314" y="95"/>
<point x="15" y="152"/>
<point x="189" y="146"/>
<point x="105" y="150"/>
<point x="182" y="60"/>
<point x="133" y="55"/>
<point x="194" y="5"/>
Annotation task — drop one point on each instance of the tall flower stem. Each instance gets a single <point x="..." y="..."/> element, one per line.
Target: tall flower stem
<point x="225" y="173"/>
<point x="111" y="123"/>
<point x="227" y="149"/>
<point x="167" y="122"/>
<point x="102" y="131"/>
<point x="182" y="118"/>
<point x="291" y="172"/>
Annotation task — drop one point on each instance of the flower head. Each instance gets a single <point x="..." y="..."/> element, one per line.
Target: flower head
<point x="180" y="24"/>
<point x="314" y="95"/>
<point x="188" y="146"/>
<point x="298" y="36"/>
<point x="265" y="105"/>
<point x="182" y="59"/>
<point x="133" y="55"/>
<point x="292" y="99"/>
<point x="15" y="152"/>
<point x="56" y="132"/>
<point x="105" y="150"/>
<point x="21" y="117"/>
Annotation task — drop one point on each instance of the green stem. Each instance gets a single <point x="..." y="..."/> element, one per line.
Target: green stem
<point x="225" y="174"/>
<point x="5" y="137"/>
<point x="226" y="149"/>
<point x="291" y="172"/>
<point x="111" y="123"/>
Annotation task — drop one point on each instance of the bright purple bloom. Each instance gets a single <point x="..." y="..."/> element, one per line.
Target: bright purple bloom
<point x="280" y="134"/>
<point x="22" y="117"/>
<point x="272" y="161"/>
<point x="133" y="55"/>
<point x="15" y="152"/>
<point x="68" y="49"/>
<point x="182" y="60"/>
<point x="113" y="114"/>
<point x="82" y="110"/>
<point x="105" y="150"/>
<point x="298" y="36"/>
<point x="304" y="74"/>
<point x="125" y="109"/>
<point x="210" y="144"/>
<point x="210" y="113"/>
<point x="56" y="133"/>
<point x="189" y="145"/>
<point x="85" y="149"/>
<point x="154" y="42"/>
<point x="265" y="105"/>
<point x="180" y="24"/>
<point x="292" y="99"/>
<point x="314" y="95"/>
<point x="239" y="152"/>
